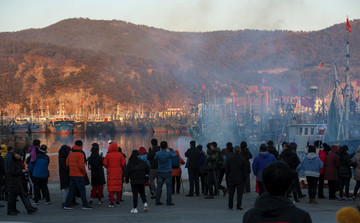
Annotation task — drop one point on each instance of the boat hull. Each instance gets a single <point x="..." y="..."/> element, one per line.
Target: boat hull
<point x="64" y="127"/>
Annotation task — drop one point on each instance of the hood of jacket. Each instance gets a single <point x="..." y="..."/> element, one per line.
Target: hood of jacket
<point x="113" y="147"/>
<point x="33" y="148"/>
<point x="311" y="156"/>
<point x="265" y="155"/>
<point x="64" y="152"/>
<point x="335" y="149"/>
<point x="76" y="147"/>
<point x="142" y="151"/>
<point x="272" y="205"/>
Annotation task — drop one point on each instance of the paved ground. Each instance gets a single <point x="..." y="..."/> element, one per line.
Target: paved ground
<point x="186" y="209"/>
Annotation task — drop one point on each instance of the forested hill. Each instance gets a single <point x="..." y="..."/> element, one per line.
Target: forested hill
<point x="105" y="63"/>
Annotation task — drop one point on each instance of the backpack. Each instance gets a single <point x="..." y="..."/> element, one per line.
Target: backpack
<point x="175" y="162"/>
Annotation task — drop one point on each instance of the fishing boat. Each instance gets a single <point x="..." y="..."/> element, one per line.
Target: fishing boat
<point x="160" y="129"/>
<point x="64" y="126"/>
<point x="79" y="128"/>
<point x="38" y="127"/>
<point x="21" y="126"/>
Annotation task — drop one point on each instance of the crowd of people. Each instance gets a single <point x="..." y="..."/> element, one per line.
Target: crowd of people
<point x="277" y="175"/>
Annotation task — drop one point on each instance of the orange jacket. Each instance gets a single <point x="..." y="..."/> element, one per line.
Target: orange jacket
<point x="114" y="162"/>
<point x="177" y="171"/>
<point x="76" y="162"/>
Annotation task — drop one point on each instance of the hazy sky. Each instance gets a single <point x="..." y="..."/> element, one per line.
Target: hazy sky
<point x="183" y="15"/>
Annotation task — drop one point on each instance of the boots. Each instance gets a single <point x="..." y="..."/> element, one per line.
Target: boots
<point x="313" y="201"/>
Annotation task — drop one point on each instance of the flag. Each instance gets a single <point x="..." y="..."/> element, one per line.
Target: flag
<point x="203" y="86"/>
<point x="321" y="64"/>
<point x="307" y="102"/>
<point x="292" y="92"/>
<point x="348" y="26"/>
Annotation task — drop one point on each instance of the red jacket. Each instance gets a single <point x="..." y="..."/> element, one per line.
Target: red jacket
<point x="114" y="162"/>
<point x="322" y="156"/>
<point x="76" y="162"/>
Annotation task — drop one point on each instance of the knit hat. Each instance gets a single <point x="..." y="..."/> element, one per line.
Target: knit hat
<point x="142" y="151"/>
<point x="237" y="149"/>
<point x="292" y="145"/>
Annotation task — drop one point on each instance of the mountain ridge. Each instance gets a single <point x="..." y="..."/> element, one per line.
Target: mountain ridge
<point x="157" y="67"/>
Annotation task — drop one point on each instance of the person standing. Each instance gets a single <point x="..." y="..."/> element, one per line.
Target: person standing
<point x="40" y="173"/>
<point x="344" y="173"/>
<point x="245" y="153"/>
<point x="202" y="173"/>
<point x="271" y="149"/>
<point x="293" y="146"/>
<point x="15" y="184"/>
<point x="273" y="205"/>
<point x="2" y="177"/>
<point x="153" y="166"/>
<point x="331" y="168"/>
<point x="136" y="171"/>
<point x="236" y="171"/>
<point x="260" y="162"/>
<point x="64" y="171"/>
<point x="226" y="153"/>
<point x="176" y="173"/>
<point x="95" y="163"/>
<point x="7" y="159"/>
<point x="322" y="155"/>
<point x="356" y="163"/>
<point x="164" y="173"/>
<point x="292" y="160"/>
<point x="210" y="167"/>
<point x="114" y="162"/>
<point x="76" y="163"/>
<point x="193" y="166"/>
<point x="311" y="165"/>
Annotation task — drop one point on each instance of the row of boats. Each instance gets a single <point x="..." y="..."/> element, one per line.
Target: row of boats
<point x="81" y="127"/>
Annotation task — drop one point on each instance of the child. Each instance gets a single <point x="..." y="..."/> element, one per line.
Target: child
<point x="136" y="171"/>
<point x="95" y="162"/>
<point x="114" y="162"/>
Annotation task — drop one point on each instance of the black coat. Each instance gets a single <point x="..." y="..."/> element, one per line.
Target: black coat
<point x="271" y="208"/>
<point x="272" y="150"/>
<point x="63" y="169"/>
<point x="235" y="169"/>
<point x="151" y="157"/>
<point x="95" y="162"/>
<point x="137" y="171"/>
<point x="245" y="153"/>
<point x="290" y="158"/>
<point x="2" y="170"/>
<point x="193" y="158"/>
<point x="344" y="170"/>
<point x="15" y="176"/>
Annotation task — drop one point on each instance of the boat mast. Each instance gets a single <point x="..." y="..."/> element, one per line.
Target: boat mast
<point x="347" y="86"/>
<point x="339" y="103"/>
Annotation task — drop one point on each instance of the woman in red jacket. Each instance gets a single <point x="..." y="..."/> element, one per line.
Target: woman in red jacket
<point x="114" y="162"/>
<point x="176" y="174"/>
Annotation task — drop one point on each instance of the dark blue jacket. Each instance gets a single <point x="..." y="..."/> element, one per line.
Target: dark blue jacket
<point x="164" y="160"/>
<point x="40" y="168"/>
<point x="260" y="162"/>
<point x="193" y="155"/>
